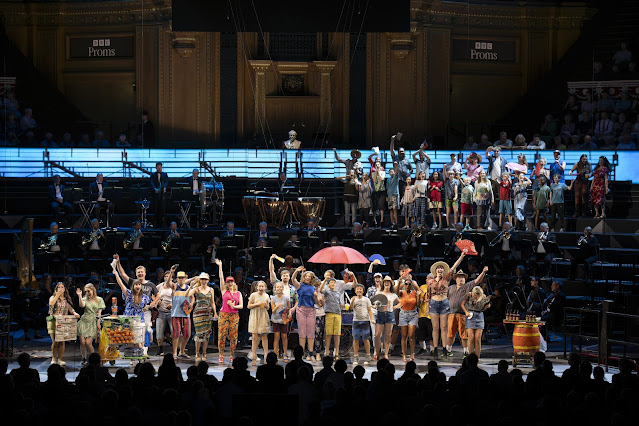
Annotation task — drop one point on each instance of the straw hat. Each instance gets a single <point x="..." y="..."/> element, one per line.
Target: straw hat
<point x="433" y="268"/>
<point x="356" y="154"/>
<point x="460" y="274"/>
<point x="204" y="275"/>
<point x="388" y="278"/>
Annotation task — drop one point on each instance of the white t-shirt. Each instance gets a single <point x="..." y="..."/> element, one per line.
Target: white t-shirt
<point x="360" y="308"/>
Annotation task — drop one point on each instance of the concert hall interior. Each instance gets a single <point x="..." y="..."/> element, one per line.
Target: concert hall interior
<point x="225" y="205"/>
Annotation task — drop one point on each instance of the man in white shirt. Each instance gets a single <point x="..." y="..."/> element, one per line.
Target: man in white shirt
<point x="496" y="167"/>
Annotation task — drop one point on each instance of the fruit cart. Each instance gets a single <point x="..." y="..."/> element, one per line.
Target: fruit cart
<point x="122" y="337"/>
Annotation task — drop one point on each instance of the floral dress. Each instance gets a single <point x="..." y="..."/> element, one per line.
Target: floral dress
<point x="598" y="187"/>
<point x="87" y="324"/>
<point x="133" y="309"/>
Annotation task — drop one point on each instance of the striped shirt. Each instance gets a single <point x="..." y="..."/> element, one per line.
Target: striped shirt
<point x="457" y="294"/>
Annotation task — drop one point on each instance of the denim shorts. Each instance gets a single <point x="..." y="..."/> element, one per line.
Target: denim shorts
<point x="408" y="318"/>
<point x="505" y="207"/>
<point x="385" y="318"/>
<point x="361" y="330"/>
<point x="439" y="307"/>
<point x="476" y="322"/>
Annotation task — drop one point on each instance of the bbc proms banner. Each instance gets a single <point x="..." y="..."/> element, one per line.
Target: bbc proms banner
<point x="101" y="47"/>
<point x="484" y="51"/>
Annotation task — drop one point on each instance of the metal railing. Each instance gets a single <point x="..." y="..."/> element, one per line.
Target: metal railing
<point x="606" y="331"/>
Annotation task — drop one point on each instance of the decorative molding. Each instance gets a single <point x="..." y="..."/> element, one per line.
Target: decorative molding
<point x="184" y="46"/>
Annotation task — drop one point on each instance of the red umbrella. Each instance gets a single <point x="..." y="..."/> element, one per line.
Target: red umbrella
<point x="337" y="255"/>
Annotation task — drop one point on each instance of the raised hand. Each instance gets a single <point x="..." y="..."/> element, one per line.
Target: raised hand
<point x="485" y="269"/>
<point x="78" y="292"/>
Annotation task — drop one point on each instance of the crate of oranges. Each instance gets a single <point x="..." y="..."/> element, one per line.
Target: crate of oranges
<point x="120" y="336"/>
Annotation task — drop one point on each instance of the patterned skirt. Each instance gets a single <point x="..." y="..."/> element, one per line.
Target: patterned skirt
<point x="202" y="323"/>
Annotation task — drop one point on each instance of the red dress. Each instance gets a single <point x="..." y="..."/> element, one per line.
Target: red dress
<point x="436" y="195"/>
<point x="598" y="187"/>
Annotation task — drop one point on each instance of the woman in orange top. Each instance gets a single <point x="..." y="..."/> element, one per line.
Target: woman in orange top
<point x="438" y="305"/>
<point x="409" y="294"/>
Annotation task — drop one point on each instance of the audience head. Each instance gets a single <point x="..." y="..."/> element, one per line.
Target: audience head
<point x="340" y="366"/>
<point x="539" y="358"/>
<point x="502" y="366"/>
<point x="472" y="360"/>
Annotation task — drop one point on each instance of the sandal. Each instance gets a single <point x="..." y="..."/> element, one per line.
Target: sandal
<point x="412" y="357"/>
<point x="203" y="358"/>
<point x="404" y="358"/>
<point x="254" y="363"/>
<point x="185" y="356"/>
<point x="197" y="359"/>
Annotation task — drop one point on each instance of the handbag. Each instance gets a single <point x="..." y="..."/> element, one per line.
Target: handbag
<point x="50" y="322"/>
<point x="187" y="307"/>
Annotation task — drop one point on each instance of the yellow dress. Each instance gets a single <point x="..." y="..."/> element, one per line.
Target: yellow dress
<point x="258" y="318"/>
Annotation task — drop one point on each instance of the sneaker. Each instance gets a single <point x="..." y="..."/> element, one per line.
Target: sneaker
<point x="467" y="228"/>
<point x="355" y="360"/>
<point x="160" y="351"/>
<point x="562" y="230"/>
<point x="421" y="351"/>
<point x="434" y="225"/>
<point x="490" y="228"/>
<point x="53" y="361"/>
<point x="434" y="353"/>
<point x="62" y="363"/>
<point x="368" y="360"/>
<point x="447" y="354"/>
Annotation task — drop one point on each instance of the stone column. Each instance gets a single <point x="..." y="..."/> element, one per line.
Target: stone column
<point x="259" y="68"/>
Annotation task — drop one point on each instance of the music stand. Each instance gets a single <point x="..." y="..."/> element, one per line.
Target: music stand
<point x="226" y="253"/>
<point x="235" y="240"/>
<point x="184" y="199"/>
<point x="140" y="195"/>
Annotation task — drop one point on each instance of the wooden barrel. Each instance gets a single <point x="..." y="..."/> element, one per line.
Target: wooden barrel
<point x="526" y="338"/>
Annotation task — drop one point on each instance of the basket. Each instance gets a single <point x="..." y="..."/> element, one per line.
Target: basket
<point x="66" y="328"/>
<point x="139" y="329"/>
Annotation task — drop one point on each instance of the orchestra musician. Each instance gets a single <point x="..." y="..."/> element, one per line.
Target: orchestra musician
<point x="56" y="201"/>
<point x="536" y="297"/>
<point x="262" y="233"/>
<point x="132" y="241"/>
<point x="230" y="229"/>
<point x="283" y="183"/>
<point x="292" y="142"/>
<point x="543" y="250"/>
<point x="460" y="234"/>
<point x="169" y="240"/>
<point x="94" y="241"/>
<point x="97" y="193"/>
<point x="159" y="183"/>
<point x="553" y="307"/>
<point x="588" y="253"/>
<point x="506" y="254"/>
<point x="51" y="248"/>
<point x="208" y="259"/>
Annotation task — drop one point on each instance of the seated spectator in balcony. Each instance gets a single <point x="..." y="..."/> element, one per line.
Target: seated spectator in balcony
<point x="520" y="142"/>
<point x="536" y="143"/>
<point x="558" y="143"/>
<point x="85" y="142"/>
<point x="10" y="104"/>
<point x="571" y="106"/>
<point x="11" y="125"/>
<point x="621" y="126"/>
<point x="625" y="142"/>
<point x="633" y="71"/>
<point x="605" y="103"/>
<point x="597" y="71"/>
<point x="470" y="144"/>
<point x="67" y="141"/>
<point x="567" y="129"/>
<point x="608" y="143"/>
<point x="588" y="144"/>
<point x="603" y="126"/>
<point x="635" y="130"/>
<point x="100" y="141"/>
<point x="624" y="104"/>
<point x="9" y="140"/>
<point x="573" y="144"/>
<point x="28" y="122"/>
<point x="548" y="128"/>
<point x="122" y="142"/>
<point x="503" y="142"/>
<point x="48" y="141"/>
<point x="30" y="139"/>
<point x="621" y="58"/>
<point x="587" y="105"/>
<point x="484" y="142"/>
<point x="585" y="125"/>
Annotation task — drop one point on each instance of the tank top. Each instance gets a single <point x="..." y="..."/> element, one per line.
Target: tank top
<point x="409" y="301"/>
<point x="225" y="299"/>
